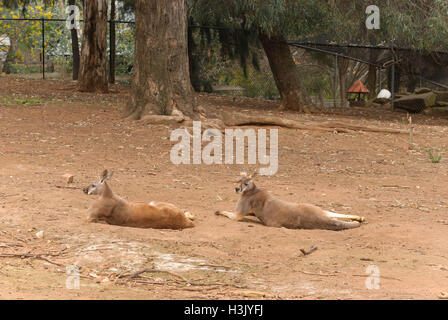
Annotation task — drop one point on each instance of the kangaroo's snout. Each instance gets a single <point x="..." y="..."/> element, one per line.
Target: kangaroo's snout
<point x="86" y="190"/>
<point x="237" y="190"/>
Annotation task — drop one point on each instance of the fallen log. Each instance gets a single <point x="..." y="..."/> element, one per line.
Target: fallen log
<point x="244" y="120"/>
<point x="416" y="102"/>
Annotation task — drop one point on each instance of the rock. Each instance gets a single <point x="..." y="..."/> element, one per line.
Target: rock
<point x="437" y="111"/>
<point x="69" y="178"/>
<point x="443" y="295"/>
<point x="422" y="90"/>
<point x="381" y="100"/>
<point x="253" y="294"/>
<point x="441" y="96"/>
<point x="40" y="235"/>
<point x="384" y="93"/>
<point x="416" y="102"/>
<point x="401" y="95"/>
<point x="161" y="119"/>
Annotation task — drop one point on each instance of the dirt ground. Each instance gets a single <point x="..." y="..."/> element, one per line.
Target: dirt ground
<point x="48" y="130"/>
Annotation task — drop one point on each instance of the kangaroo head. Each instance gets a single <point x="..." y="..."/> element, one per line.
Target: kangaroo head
<point x="246" y="183"/>
<point x="98" y="186"/>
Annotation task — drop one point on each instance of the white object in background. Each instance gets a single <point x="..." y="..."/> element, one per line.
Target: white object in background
<point x="4" y="44"/>
<point x="385" y="94"/>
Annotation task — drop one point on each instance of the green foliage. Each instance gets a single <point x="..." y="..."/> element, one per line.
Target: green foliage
<point x="415" y="24"/>
<point x="434" y="158"/>
<point x="255" y="83"/>
<point x="28" y="35"/>
<point x="124" y="59"/>
<point x="10" y="100"/>
<point x="22" y="4"/>
<point x="286" y="17"/>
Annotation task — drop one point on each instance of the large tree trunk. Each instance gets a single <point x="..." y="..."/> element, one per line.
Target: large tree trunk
<point x="284" y="70"/>
<point x="161" y="78"/>
<point x="93" y="71"/>
<point x="75" y="48"/>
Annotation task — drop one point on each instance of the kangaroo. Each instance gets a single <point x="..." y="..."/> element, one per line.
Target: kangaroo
<point x="117" y="211"/>
<point x="277" y="213"/>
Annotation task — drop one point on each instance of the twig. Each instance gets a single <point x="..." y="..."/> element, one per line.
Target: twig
<point x="395" y="186"/>
<point x="10" y="245"/>
<point x="318" y="274"/>
<point x="213" y="266"/>
<point x="381" y="277"/>
<point x="411" y="131"/>
<point x="191" y="283"/>
<point x="66" y="187"/>
<point x="309" y="251"/>
<point x="28" y="255"/>
<point x="137" y="273"/>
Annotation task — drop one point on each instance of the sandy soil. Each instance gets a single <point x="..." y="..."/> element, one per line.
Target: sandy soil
<point x="48" y="129"/>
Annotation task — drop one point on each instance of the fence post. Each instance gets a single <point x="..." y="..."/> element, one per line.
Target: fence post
<point x="112" y="43"/>
<point x="393" y="84"/>
<point x="43" y="47"/>
<point x="335" y="89"/>
<point x="379" y="79"/>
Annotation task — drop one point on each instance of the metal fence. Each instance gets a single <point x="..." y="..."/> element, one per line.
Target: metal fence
<point x="50" y="47"/>
<point x="44" y="48"/>
<point x="49" y="55"/>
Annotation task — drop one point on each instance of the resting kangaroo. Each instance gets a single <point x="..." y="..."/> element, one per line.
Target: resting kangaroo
<point x="117" y="211"/>
<point x="277" y="213"/>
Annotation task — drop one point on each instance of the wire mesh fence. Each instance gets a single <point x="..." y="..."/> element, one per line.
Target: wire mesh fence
<point x="40" y="46"/>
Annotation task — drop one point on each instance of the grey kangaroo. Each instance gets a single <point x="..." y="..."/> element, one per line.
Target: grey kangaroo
<point x="277" y="213"/>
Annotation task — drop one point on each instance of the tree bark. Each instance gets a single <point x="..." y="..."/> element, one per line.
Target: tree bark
<point x="75" y="48"/>
<point x="93" y="70"/>
<point x="284" y="70"/>
<point x="161" y="78"/>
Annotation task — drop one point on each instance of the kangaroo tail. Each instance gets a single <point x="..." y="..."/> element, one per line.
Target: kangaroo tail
<point x="342" y="225"/>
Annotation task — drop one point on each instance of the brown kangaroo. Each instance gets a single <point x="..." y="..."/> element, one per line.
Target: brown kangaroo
<point x="117" y="211"/>
<point x="277" y="213"/>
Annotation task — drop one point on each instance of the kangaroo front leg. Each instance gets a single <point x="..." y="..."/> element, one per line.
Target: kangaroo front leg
<point x="237" y="216"/>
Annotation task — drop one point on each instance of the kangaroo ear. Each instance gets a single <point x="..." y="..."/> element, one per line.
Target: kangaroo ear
<point x="106" y="175"/>
<point x="103" y="176"/>
<point x="253" y="175"/>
